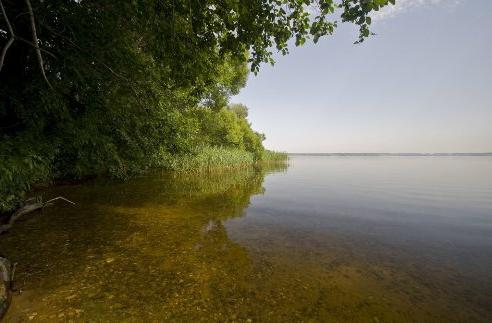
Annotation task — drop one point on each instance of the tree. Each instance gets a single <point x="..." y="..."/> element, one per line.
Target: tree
<point x="180" y="28"/>
<point x="239" y="109"/>
<point x="102" y="86"/>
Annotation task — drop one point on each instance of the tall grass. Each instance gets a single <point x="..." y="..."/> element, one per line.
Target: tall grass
<point x="275" y="156"/>
<point x="205" y="158"/>
<point x="209" y="157"/>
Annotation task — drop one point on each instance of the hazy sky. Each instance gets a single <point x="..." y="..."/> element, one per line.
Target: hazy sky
<point x="423" y="84"/>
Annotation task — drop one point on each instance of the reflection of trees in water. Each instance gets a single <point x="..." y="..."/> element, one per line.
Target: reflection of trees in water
<point x="154" y="247"/>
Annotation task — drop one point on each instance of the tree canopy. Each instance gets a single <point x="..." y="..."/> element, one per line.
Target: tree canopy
<point x="185" y="36"/>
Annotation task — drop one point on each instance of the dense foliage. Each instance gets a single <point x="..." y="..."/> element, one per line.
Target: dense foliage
<point x="115" y="87"/>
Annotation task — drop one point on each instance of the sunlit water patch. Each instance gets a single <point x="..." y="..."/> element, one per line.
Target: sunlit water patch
<point x="371" y="239"/>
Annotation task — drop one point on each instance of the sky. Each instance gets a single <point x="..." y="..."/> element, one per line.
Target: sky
<point x="422" y="84"/>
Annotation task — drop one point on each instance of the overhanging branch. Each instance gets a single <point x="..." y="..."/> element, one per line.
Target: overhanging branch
<point x="88" y="53"/>
<point x="36" y="42"/>
<point x="12" y="35"/>
<point x="33" y="45"/>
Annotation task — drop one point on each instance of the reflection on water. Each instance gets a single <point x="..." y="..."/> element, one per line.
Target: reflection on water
<point x="153" y="248"/>
<point x="372" y="239"/>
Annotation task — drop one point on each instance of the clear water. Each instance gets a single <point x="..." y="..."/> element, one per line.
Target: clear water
<point x="329" y="239"/>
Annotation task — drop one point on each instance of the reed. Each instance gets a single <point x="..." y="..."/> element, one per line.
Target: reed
<point x="275" y="156"/>
<point x="206" y="158"/>
<point x="210" y="157"/>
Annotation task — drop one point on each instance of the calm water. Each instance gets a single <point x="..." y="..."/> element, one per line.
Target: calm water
<point x="330" y="239"/>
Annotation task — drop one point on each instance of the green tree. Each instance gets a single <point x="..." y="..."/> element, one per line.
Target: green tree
<point x="113" y="87"/>
<point x="239" y="109"/>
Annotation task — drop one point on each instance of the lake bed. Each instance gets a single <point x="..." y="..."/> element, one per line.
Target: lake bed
<point x="326" y="238"/>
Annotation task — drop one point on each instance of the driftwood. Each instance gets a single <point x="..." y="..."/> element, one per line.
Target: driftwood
<point x="31" y="206"/>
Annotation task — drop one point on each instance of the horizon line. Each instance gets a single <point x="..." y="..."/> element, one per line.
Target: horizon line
<point x="399" y="154"/>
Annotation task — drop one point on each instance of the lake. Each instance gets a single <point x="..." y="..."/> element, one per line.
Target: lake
<point x="325" y="238"/>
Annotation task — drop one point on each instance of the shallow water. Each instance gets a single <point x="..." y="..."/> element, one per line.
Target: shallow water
<point x="366" y="239"/>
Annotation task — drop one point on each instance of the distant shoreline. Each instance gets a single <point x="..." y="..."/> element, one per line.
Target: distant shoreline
<point x="391" y="154"/>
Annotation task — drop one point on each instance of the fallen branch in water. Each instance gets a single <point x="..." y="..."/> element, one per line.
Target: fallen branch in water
<point x="28" y="208"/>
<point x="59" y="198"/>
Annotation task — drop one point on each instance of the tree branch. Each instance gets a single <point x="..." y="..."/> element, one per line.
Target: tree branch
<point x="73" y="44"/>
<point x="59" y="198"/>
<point x="36" y="42"/>
<point x="12" y="35"/>
<point x="33" y="45"/>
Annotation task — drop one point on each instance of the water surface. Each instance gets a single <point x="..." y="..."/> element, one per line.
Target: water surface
<point x="372" y="239"/>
